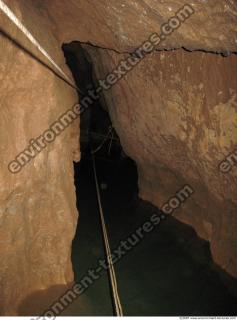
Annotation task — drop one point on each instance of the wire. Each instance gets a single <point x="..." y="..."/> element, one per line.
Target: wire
<point x="111" y="142"/>
<point x="113" y="281"/>
<point x="8" y="12"/>
<point x="18" y="23"/>
<point x="103" y="142"/>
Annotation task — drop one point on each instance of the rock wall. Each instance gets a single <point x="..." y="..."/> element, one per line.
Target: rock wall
<point x="37" y="205"/>
<point x="175" y="114"/>
<point x="123" y="25"/>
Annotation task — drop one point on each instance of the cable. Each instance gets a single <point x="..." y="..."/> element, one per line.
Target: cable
<point x="103" y="142"/>
<point x="111" y="142"/>
<point x="114" y="286"/>
<point x="32" y="39"/>
<point x="24" y="30"/>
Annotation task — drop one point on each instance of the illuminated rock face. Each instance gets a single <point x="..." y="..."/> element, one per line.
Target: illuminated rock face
<point x="175" y="114"/>
<point x="37" y="205"/>
<point x="122" y="25"/>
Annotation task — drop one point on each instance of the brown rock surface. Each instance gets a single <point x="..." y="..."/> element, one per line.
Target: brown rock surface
<point x="37" y="206"/>
<point x="175" y="114"/>
<point x="123" y="25"/>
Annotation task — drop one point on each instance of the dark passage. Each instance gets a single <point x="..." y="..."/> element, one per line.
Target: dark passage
<point x="169" y="272"/>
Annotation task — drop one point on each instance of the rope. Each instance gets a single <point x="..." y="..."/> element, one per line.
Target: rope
<point x="23" y="29"/>
<point x="28" y="34"/>
<point x="103" y="142"/>
<point x="116" y="299"/>
<point x="111" y="142"/>
<point x="99" y="136"/>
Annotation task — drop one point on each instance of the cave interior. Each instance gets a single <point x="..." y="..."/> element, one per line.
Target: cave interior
<point x="171" y="258"/>
<point x="118" y="158"/>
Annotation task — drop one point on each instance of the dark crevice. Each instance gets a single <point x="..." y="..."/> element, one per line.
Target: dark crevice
<point x="222" y="52"/>
<point x="171" y="270"/>
<point x="95" y="123"/>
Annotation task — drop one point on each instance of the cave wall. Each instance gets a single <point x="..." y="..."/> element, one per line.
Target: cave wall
<point x="123" y="25"/>
<point x="175" y="107"/>
<point x="175" y="114"/>
<point x="37" y="205"/>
